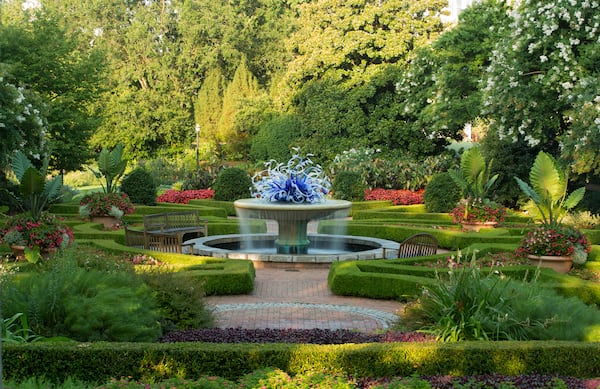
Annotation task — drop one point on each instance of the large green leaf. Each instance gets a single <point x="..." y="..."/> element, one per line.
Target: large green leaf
<point x="32" y="182"/>
<point x="19" y="164"/>
<point x="574" y="198"/>
<point x="546" y="178"/>
<point x="473" y="166"/>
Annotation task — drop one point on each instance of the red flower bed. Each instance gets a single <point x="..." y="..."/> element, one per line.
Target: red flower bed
<point x="397" y="196"/>
<point x="184" y="196"/>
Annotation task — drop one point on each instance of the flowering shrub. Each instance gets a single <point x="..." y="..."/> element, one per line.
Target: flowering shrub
<point x="45" y="233"/>
<point x="105" y="204"/>
<point x="298" y="181"/>
<point x="558" y="240"/>
<point x="478" y="212"/>
<point x="396" y="196"/>
<point x="184" y="196"/>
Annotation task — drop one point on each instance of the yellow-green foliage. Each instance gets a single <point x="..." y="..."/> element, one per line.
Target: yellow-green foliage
<point x="95" y="362"/>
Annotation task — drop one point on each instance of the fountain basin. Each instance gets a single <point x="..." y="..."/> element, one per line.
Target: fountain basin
<point x="292" y="219"/>
<point x="321" y="249"/>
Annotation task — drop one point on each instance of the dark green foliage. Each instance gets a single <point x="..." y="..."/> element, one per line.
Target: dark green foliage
<point x="180" y="299"/>
<point x="441" y="194"/>
<point x="85" y="304"/>
<point x="348" y="185"/>
<point x="274" y="138"/>
<point x="140" y="187"/>
<point x="232" y="184"/>
<point x="200" y="179"/>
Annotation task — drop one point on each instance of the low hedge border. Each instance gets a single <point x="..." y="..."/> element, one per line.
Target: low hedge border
<point x="98" y="362"/>
<point x="400" y="279"/>
<point x="217" y="276"/>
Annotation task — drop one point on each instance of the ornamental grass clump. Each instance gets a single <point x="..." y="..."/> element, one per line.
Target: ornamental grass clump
<point x="470" y="303"/>
<point x="298" y="181"/>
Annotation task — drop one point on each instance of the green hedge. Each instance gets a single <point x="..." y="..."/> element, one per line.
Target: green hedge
<point x="217" y="276"/>
<point x="98" y="362"/>
<point x="451" y="239"/>
<point x="401" y="279"/>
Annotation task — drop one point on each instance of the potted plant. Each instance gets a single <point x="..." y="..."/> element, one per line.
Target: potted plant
<point x="40" y="233"/>
<point x="106" y="208"/>
<point x="548" y="191"/>
<point x="481" y="214"/>
<point x="476" y="210"/>
<point x="554" y="247"/>
<point x="109" y="206"/>
<point x="40" y="236"/>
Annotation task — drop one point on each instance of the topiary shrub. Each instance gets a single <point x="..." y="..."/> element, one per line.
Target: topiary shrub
<point x="232" y="184"/>
<point x="441" y="194"/>
<point x="348" y="185"/>
<point x="140" y="187"/>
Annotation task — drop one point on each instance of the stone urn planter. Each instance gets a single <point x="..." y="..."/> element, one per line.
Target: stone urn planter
<point x="18" y="251"/>
<point x="109" y="222"/>
<point x="560" y="264"/>
<point x="476" y="227"/>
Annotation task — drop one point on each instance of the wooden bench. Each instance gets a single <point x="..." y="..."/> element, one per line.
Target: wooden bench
<point x="167" y="231"/>
<point x="418" y="245"/>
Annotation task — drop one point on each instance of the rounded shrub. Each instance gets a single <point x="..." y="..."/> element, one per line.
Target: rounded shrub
<point x="140" y="187"/>
<point x="232" y="184"/>
<point x="441" y="194"/>
<point x="348" y="185"/>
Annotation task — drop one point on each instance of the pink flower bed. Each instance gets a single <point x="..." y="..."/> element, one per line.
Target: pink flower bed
<point x="397" y="196"/>
<point x="184" y="196"/>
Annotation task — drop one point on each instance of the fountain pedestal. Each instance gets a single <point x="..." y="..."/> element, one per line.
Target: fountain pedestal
<point x="292" y="219"/>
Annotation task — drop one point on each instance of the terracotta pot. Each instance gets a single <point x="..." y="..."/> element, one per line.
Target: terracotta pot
<point x="109" y="222"/>
<point x="18" y="252"/>
<point x="560" y="264"/>
<point x="475" y="227"/>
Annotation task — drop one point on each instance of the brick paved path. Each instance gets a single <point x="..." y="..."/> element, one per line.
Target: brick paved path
<point x="299" y="298"/>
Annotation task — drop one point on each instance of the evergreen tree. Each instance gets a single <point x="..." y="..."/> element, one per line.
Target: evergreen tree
<point x="209" y="105"/>
<point x="242" y="89"/>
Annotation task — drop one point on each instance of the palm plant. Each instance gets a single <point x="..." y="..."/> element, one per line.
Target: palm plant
<point x="548" y="189"/>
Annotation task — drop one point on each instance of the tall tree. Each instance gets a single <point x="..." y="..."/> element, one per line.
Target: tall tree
<point x="209" y="105"/>
<point x="339" y="78"/>
<point x="541" y="83"/>
<point x="39" y="53"/>
<point x="242" y="90"/>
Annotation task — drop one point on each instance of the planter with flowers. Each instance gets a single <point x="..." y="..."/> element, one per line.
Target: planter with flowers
<point x="39" y="237"/>
<point x="109" y="206"/>
<point x="552" y="244"/>
<point x="475" y="211"/>
<point x="554" y="247"/>
<point x="36" y="232"/>
<point x="105" y="208"/>
<point x="478" y="215"/>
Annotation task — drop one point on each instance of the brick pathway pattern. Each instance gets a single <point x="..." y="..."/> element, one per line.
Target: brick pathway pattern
<point x="300" y="298"/>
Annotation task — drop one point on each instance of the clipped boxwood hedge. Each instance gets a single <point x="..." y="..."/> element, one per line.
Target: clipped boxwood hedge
<point x="95" y="362"/>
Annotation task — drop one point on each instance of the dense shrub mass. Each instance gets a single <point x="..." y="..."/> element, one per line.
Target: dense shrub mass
<point x="140" y="187"/>
<point x="232" y="184"/>
<point x="348" y="185"/>
<point x="184" y="196"/>
<point x="441" y="194"/>
<point x="396" y="196"/>
<point x="200" y="179"/>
